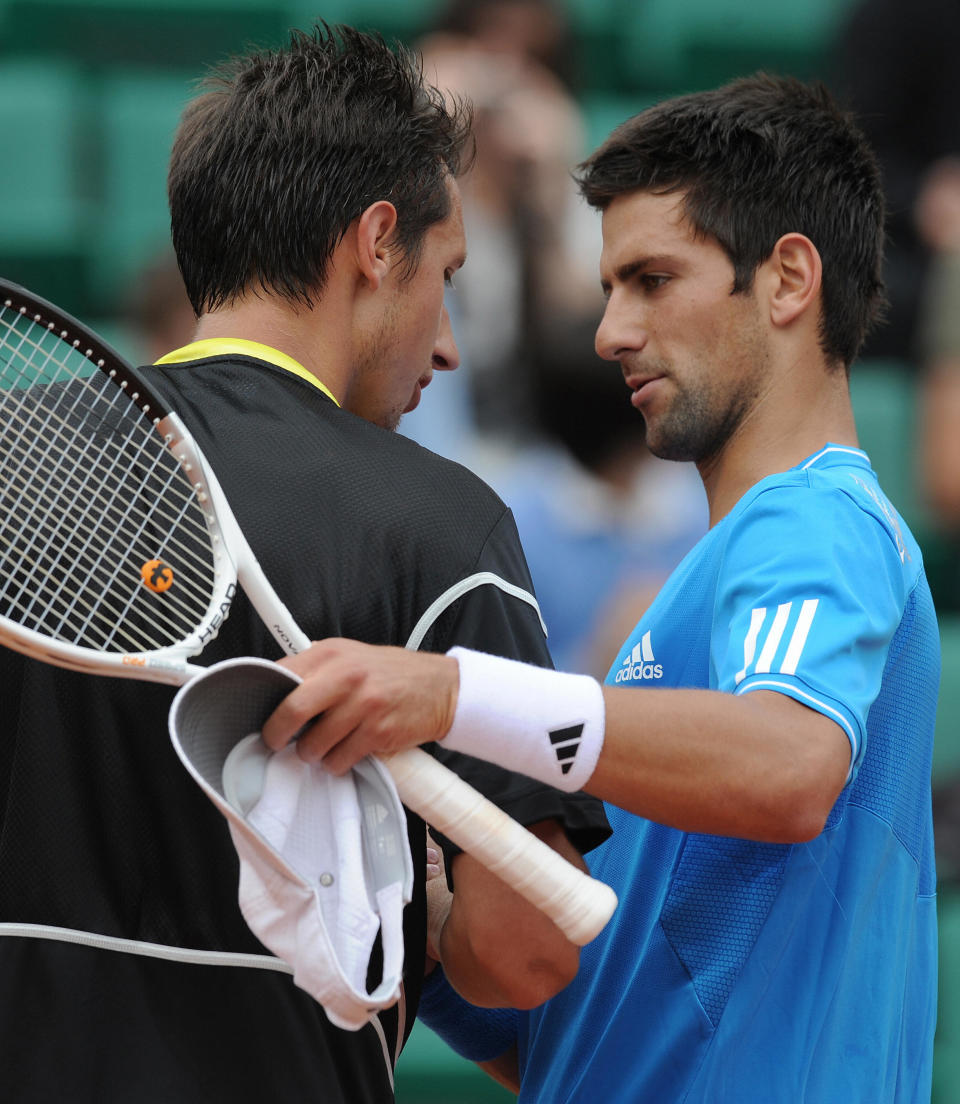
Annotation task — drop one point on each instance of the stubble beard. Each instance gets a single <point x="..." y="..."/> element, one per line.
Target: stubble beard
<point x="372" y="373"/>
<point x="694" y="428"/>
<point x="700" y="421"/>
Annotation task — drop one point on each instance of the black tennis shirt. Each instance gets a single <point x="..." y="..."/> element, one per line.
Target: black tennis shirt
<point x="127" y="972"/>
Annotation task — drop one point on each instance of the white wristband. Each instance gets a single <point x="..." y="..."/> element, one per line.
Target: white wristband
<point x="542" y="723"/>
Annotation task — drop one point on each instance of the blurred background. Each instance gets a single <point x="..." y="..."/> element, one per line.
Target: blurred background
<point x="90" y="94"/>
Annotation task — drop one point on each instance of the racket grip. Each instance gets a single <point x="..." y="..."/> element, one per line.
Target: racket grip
<point x="578" y="904"/>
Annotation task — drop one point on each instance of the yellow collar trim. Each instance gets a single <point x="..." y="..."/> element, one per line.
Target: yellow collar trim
<point x="216" y="346"/>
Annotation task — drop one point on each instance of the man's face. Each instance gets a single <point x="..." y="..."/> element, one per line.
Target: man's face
<point x="412" y="337"/>
<point x="695" y="355"/>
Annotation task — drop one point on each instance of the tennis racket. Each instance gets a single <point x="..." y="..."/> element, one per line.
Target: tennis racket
<point x="119" y="555"/>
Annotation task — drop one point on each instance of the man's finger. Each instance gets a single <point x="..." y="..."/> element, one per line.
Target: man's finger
<point x="298" y="709"/>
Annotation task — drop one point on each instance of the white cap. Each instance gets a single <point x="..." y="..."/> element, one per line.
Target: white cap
<point x="324" y="861"/>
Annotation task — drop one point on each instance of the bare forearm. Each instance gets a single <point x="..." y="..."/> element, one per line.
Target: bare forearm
<point x="520" y="971"/>
<point x="497" y="974"/>
<point x="760" y="766"/>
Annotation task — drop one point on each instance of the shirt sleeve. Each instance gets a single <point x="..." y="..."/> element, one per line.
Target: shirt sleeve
<point x="809" y="597"/>
<point x="493" y="609"/>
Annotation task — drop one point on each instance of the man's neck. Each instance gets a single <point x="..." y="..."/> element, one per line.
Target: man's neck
<point x="297" y="332"/>
<point x="775" y="437"/>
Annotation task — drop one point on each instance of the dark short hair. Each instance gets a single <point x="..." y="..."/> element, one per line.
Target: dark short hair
<point x="756" y="159"/>
<point x="283" y="149"/>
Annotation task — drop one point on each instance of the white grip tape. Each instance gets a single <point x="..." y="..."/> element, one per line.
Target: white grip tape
<point x="543" y="723"/>
<point x="578" y="904"/>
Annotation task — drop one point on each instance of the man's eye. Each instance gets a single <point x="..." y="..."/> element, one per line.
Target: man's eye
<point x="652" y="282"/>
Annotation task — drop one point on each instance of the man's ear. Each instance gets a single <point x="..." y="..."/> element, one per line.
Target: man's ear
<point x="796" y="273"/>
<point x="375" y="251"/>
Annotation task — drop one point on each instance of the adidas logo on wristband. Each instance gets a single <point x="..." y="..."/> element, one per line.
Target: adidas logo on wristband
<point x="566" y="743"/>
<point x="505" y="708"/>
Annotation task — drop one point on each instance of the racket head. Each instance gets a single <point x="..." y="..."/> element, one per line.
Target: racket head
<point x="112" y="558"/>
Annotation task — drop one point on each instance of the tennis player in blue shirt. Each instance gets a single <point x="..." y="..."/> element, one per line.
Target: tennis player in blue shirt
<point x="764" y="738"/>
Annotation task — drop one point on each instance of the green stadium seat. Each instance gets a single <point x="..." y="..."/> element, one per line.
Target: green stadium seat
<point x="946" y="747"/>
<point x="44" y="209"/>
<point x="406" y="20"/>
<point x="596" y="28"/>
<point x="946" y="1049"/>
<point x="884" y="403"/>
<point x="175" y="33"/>
<point x="138" y="115"/>
<point x="690" y="44"/>
<point x="429" y="1072"/>
<point x="602" y="111"/>
<point x="39" y="187"/>
<point x="593" y="16"/>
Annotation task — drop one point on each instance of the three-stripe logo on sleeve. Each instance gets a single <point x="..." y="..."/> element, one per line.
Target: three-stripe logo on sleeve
<point x="776" y="639"/>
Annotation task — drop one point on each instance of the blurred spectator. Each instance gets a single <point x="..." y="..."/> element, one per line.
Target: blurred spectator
<point x="938" y="436"/>
<point x="533" y="244"/>
<point x="603" y="521"/>
<point x="537" y="30"/>
<point x="158" y="312"/>
<point x="897" y="69"/>
<point x="939" y="219"/>
<point x="444" y="422"/>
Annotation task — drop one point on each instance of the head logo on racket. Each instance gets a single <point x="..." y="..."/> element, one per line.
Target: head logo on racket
<point x="157" y="576"/>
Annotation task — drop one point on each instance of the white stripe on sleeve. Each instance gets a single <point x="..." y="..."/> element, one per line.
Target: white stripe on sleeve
<point x="757" y="618"/>
<point x="799" y="638"/>
<point x="773" y="638"/>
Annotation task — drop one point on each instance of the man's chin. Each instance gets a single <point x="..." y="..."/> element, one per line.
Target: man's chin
<point x="414" y="399"/>
<point x="391" y="418"/>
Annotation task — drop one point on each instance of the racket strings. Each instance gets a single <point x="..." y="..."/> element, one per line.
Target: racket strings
<point x="44" y="551"/>
<point x="79" y="547"/>
<point x="76" y="468"/>
<point x="88" y="552"/>
<point x="127" y="459"/>
<point x="90" y="494"/>
<point x="79" y="471"/>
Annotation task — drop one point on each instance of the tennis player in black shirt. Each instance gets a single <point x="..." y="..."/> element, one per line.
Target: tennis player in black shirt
<point x="316" y="219"/>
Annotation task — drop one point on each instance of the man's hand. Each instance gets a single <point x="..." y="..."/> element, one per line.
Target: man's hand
<point x="357" y="700"/>
<point x="439" y="903"/>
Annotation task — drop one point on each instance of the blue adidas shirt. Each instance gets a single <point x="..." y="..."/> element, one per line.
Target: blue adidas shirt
<point x="737" y="971"/>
